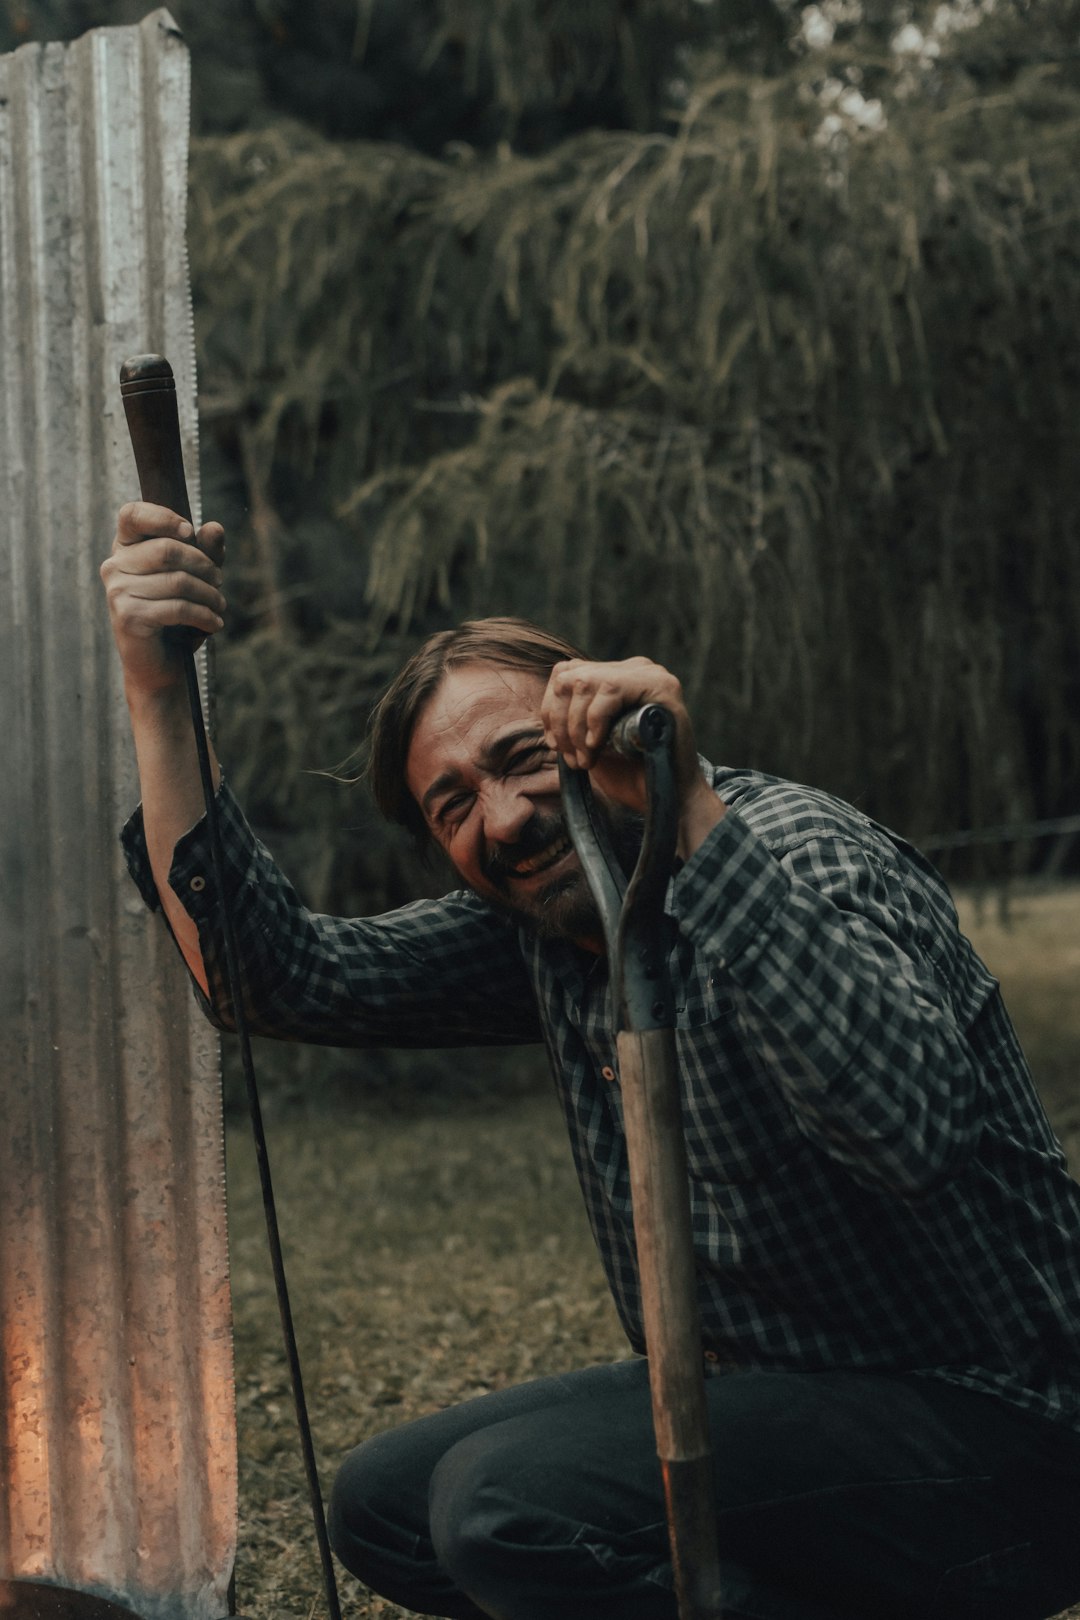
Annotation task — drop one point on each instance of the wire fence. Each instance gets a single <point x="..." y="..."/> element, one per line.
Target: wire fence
<point x="996" y="857"/>
<point x="1013" y="832"/>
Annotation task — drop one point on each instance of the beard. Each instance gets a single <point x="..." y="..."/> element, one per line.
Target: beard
<point x="564" y="908"/>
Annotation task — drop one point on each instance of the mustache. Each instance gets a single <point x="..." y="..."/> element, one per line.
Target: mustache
<point x="625" y="828"/>
<point x="498" y="860"/>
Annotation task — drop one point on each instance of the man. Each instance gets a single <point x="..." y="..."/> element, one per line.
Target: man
<point x="887" y="1238"/>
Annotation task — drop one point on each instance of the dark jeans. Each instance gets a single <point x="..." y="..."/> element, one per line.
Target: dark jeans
<point x="842" y="1496"/>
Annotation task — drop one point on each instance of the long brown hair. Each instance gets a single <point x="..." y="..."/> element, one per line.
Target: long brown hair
<point x="508" y="643"/>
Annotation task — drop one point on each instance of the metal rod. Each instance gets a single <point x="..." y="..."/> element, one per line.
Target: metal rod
<point x="277" y="1261"/>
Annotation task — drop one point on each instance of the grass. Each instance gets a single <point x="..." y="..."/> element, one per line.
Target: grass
<point x="1030" y="938"/>
<point x="430" y="1260"/>
<point x="435" y="1257"/>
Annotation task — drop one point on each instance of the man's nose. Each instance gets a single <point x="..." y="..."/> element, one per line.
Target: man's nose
<point x="506" y="811"/>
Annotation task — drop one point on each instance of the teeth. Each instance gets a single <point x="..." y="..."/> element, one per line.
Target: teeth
<point x="546" y="857"/>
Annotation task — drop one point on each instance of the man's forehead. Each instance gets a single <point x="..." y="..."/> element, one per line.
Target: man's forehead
<point x="471" y="711"/>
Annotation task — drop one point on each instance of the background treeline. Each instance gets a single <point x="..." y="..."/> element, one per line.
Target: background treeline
<point x="744" y="334"/>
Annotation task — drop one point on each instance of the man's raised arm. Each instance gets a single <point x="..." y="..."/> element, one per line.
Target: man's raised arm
<point x="161" y="574"/>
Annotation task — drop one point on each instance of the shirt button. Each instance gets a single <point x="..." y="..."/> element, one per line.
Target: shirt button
<point x="608" y="1072"/>
<point x="197" y="884"/>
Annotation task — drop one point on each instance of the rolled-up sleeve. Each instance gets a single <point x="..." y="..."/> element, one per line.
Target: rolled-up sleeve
<point x="444" y="972"/>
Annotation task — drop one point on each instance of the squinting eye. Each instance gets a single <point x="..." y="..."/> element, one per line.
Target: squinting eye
<point x="533" y="758"/>
<point x="452" y="809"/>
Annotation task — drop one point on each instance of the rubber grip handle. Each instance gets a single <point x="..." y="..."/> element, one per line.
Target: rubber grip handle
<point x="148" y="390"/>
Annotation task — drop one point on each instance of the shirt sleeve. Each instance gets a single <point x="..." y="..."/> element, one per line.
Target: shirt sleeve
<point x="444" y="972"/>
<point x="839" y="997"/>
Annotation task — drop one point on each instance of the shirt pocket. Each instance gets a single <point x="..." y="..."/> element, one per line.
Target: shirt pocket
<point x="703" y="996"/>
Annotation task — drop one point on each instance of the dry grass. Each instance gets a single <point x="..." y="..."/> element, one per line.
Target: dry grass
<point x="430" y="1260"/>
<point x="1030" y="938"/>
<point x="437" y="1257"/>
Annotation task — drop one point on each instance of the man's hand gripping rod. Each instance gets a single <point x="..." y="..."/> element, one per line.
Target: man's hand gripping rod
<point x="638" y="942"/>
<point x="149" y="394"/>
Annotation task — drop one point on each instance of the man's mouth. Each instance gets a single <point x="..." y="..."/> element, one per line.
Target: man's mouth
<point x="543" y="859"/>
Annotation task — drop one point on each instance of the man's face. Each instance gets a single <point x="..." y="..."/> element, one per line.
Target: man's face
<point x="488" y="788"/>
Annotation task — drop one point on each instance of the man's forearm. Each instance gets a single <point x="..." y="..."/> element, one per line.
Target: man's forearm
<point x="702" y="808"/>
<point x="172" y="798"/>
<point x="160" y="575"/>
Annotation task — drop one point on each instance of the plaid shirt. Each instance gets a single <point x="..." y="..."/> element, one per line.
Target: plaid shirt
<point x="873" y="1180"/>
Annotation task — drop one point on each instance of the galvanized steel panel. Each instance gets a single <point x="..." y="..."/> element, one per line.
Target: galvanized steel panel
<point x="117" y="1425"/>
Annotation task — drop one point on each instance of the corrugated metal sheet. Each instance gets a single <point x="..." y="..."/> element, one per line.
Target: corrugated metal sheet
<point x="117" y="1427"/>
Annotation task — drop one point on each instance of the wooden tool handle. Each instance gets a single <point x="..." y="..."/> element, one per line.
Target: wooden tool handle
<point x="149" y="394"/>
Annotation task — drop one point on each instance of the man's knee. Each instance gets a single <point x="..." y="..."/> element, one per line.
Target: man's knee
<point x="471" y="1510"/>
<point x="367" y="1516"/>
<point x="346" y="1513"/>
<point x="495" y="1521"/>
<point x="515" y="1532"/>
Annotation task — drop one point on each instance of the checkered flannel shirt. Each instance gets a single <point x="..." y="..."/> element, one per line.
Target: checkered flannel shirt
<point x="874" y="1183"/>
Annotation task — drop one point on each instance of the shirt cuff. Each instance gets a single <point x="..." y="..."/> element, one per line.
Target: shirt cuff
<point x="133" y="844"/>
<point x="191" y="876"/>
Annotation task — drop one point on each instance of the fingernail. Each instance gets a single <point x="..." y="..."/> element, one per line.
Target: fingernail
<point x="185" y="531"/>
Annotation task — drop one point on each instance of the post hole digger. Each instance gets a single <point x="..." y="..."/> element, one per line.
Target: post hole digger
<point x="637" y="942"/>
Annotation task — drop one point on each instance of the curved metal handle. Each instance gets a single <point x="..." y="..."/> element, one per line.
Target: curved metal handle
<point x="633" y="919"/>
<point x="639" y="966"/>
